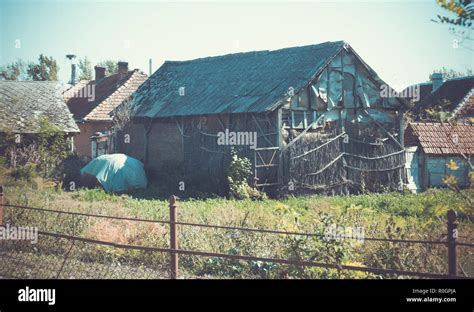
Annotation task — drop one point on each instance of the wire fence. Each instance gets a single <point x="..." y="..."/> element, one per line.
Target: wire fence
<point x="60" y="253"/>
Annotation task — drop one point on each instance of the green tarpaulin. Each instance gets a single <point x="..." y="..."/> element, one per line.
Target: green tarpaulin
<point x="117" y="172"/>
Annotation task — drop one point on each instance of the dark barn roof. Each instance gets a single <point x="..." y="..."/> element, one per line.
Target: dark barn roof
<point x="425" y="91"/>
<point x="24" y="102"/>
<point x="454" y="90"/>
<point x="234" y="83"/>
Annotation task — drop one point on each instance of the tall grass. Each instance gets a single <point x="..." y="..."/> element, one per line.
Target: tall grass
<point x="392" y="215"/>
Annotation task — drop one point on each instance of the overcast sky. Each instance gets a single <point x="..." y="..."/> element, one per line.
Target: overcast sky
<point x="396" y="38"/>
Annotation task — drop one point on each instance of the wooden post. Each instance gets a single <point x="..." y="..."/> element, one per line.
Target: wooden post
<point x="1" y="204"/>
<point x="403" y="157"/>
<point x="279" y="141"/>
<point x="452" y="236"/>
<point x="173" y="236"/>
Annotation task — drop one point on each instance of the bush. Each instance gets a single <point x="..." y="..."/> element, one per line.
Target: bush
<point x="44" y="151"/>
<point x="239" y="172"/>
<point x="25" y="172"/>
<point x="71" y="170"/>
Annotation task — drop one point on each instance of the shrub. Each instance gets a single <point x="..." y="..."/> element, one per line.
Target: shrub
<point x="239" y="172"/>
<point x="71" y="170"/>
<point x="24" y="172"/>
<point x="44" y="150"/>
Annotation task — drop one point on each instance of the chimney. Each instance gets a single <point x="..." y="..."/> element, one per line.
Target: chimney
<point x="436" y="81"/>
<point x="71" y="58"/>
<point x="122" y="69"/>
<point x="99" y="72"/>
<point x="73" y="73"/>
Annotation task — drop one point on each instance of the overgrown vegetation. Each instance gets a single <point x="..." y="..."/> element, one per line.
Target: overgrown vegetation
<point x="438" y="113"/>
<point x="238" y="175"/>
<point x="42" y="153"/>
<point x="391" y="215"/>
<point x="452" y="182"/>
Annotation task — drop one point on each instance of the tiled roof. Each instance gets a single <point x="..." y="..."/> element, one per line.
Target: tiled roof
<point x="23" y="103"/>
<point x="441" y="138"/>
<point x="108" y="93"/>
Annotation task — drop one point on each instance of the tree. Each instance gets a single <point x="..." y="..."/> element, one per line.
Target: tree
<point x="14" y="71"/>
<point x="462" y="11"/>
<point x="452" y="182"/>
<point x="451" y="73"/>
<point x="110" y="67"/>
<point x="461" y="21"/>
<point x="85" y="69"/>
<point x="438" y="113"/>
<point x="46" y="69"/>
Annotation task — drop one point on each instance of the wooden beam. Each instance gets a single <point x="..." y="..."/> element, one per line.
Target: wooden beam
<point x="261" y="130"/>
<point x="279" y="140"/>
<point x="299" y="136"/>
<point x="381" y="127"/>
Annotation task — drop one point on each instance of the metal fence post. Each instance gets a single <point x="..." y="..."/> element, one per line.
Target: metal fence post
<point x="173" y="236"/>
<point x="1" y="204"/>
<point x="452" y="236"/>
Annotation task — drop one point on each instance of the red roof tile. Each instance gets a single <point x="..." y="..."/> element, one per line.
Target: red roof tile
<point x="441" y="138"/>
<point x="96" y="104"/>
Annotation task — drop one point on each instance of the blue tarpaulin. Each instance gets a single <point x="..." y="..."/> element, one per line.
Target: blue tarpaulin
<point x="117" y="172"/>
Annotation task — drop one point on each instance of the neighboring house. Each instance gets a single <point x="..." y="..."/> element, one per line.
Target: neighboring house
<point x="317" y="111"/>
<point x="455" y="97"/>
<point x="24" y="103"/>
<point x="430" y="147"/>
<point x="419" y="92"/>
<point x="92" y="101"/>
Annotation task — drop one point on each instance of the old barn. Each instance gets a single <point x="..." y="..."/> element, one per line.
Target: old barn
<point x="321" y="121"/>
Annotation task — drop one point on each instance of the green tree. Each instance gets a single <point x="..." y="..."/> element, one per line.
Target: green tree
<point x="449" y="73"/>
<point x="111" y="67"/>
<point x="46" y="69"/>
<point x="438" y="113"/>
<point x="14" y="71"/>
<point x="460" y="20"/>
<point x="85" y="69"/>
<point x="459" y="10"/>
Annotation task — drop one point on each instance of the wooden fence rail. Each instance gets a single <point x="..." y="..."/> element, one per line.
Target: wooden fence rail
<point x="174" y="251"/>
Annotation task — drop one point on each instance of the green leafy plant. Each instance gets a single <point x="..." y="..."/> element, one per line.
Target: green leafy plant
<point x="239" y="172"/>
<point x="43" y="151"/>
<point x="452" y="182"/>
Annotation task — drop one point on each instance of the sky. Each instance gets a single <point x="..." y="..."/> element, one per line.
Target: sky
<point x="396" y="38"/>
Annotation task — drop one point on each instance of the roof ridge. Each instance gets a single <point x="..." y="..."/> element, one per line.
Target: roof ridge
<point x="248" y="53"/>
<point x="430" y="123"/>
<point x="29" y="81"/>
<point x="459" y="78"/>
<point x="447" y="80"/>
